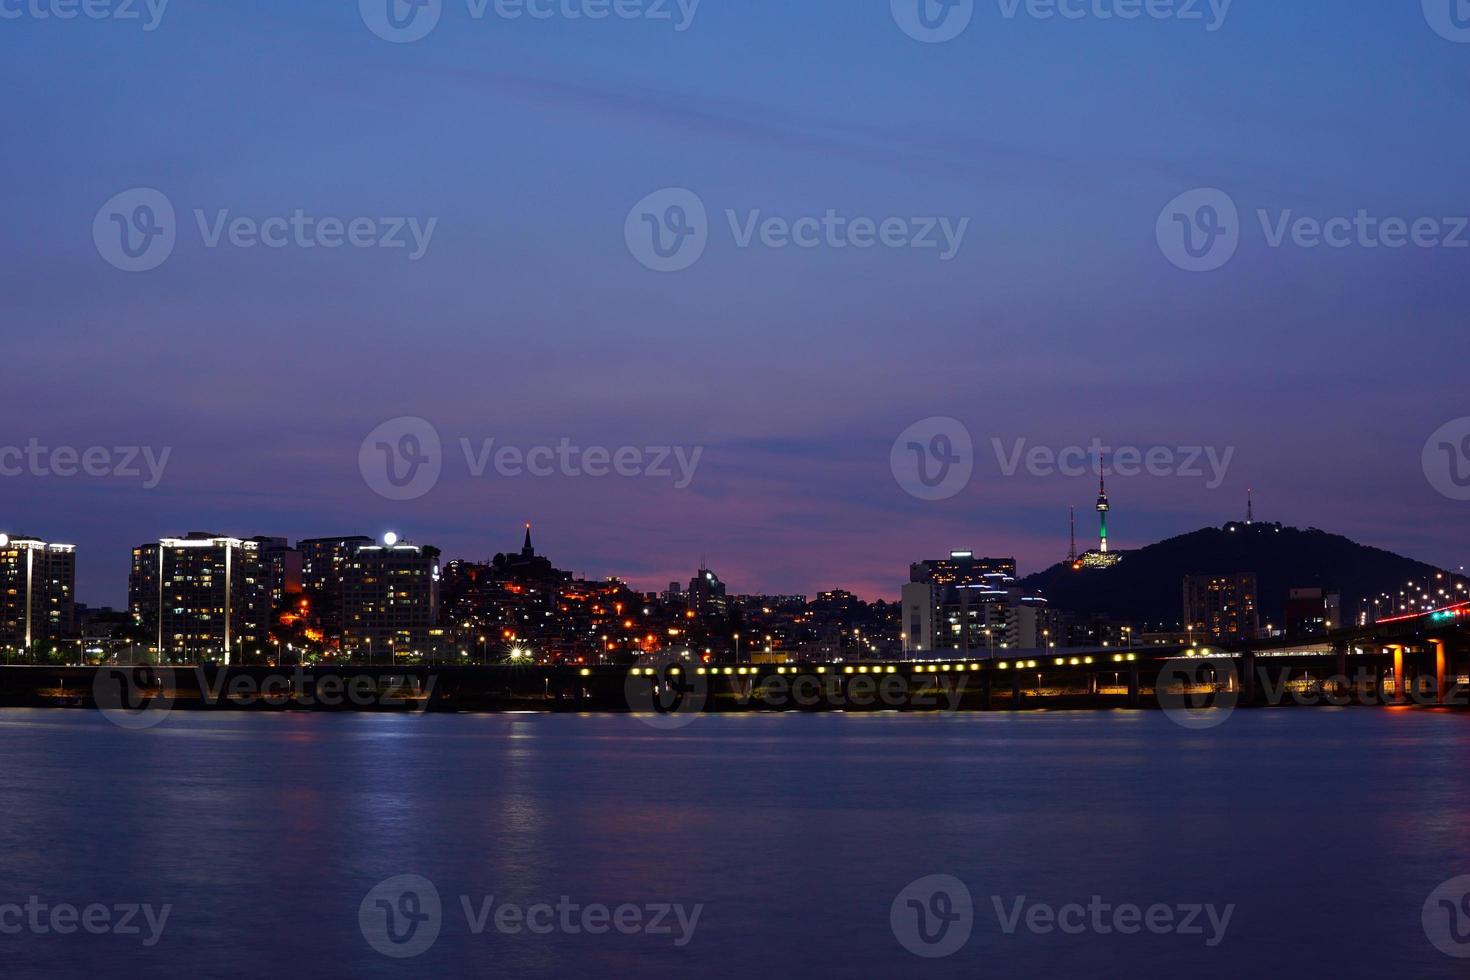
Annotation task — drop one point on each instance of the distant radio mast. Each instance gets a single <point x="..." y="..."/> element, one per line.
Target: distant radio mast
<point x="1072" y="554"/>
<point x="1250" y="506"/>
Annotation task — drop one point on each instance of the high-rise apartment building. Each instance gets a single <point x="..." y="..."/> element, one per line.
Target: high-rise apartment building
<point x="960" y="568"/>
<point x="972" y="606"/>
<point x="323" y="564"/>
<point x="707" y="595"/>
<point x="201" y="597"/>
<point x="1313" y="611"/>
<point x="283" y="568"/>
<point x="390" y="600"/>
<point x="1222" y="608"/>
<point x="37" y="591"/>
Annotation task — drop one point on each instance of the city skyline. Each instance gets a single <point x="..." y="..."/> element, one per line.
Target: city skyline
<point x="527" y="320"/>
<point x="887" y="591"/>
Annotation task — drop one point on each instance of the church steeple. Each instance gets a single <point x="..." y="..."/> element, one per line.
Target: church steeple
<point x="526" y="550"/>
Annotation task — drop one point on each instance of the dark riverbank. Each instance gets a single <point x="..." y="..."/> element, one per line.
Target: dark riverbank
<point x="675" y="691"/>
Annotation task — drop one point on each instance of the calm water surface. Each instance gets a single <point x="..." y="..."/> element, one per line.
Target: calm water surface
<point x="1326" y="829"/>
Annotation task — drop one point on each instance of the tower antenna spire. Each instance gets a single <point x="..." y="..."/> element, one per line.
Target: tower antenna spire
<point x="1072" y="552"/>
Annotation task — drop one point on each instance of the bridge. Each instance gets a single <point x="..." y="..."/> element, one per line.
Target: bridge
<point x="1422" y="659"/>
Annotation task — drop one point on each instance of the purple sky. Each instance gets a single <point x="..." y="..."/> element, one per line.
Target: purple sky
<point x="529" y="320"/>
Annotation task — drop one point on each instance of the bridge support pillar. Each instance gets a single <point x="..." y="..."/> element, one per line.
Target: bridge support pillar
<point x="1341" y="681"/>
<point x="1133" y="686"/>
<point x="1248" y="678"/>
<point x="1015" y="689"/>
<point x="1400" y="683"/>
<point x="1441" y="663"/>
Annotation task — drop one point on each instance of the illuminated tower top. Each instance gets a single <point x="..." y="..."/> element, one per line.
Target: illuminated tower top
<point x="1102" y="510"/>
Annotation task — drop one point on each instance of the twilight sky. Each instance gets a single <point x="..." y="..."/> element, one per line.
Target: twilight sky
<point x="529" y="320"/>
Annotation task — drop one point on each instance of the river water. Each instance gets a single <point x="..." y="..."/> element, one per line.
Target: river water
<point x="1293" y="841"/>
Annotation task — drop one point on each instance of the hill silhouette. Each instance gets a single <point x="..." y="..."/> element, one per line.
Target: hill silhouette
<point x="1146" y="587"/>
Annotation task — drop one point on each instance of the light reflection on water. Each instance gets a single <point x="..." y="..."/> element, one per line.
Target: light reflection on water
<point x="1326" y="828"/>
